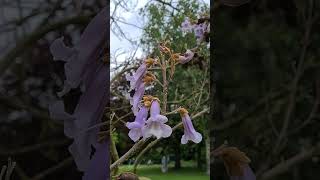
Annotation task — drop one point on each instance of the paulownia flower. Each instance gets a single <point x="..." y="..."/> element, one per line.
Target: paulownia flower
<point x="139" y="92"/>
<point x="189" y="132"/>
<point x="136" y="78"/>
<point x="137" y="96"/>
<point x="236" y="163"/>
<point x="98" y="168"/>
<point x="199" y="31"/>
<point x="84" y="68"/>
<point x="186" y="57"/>
<point x="136" y="127"/>
<point x="186" y="25"/>
<point x="155" y="125"/>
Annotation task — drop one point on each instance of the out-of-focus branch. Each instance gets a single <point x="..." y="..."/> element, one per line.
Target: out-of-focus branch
<point x="286" y="165"/>
<point x="31" y="148"/>
<point x="272" y="96"/>
<point x="167" y="4"/>
<point x="294" y="85"/>
<point x="53" y="169"/>
<point x="16" y="103"/>
<point x="24" y="44"/>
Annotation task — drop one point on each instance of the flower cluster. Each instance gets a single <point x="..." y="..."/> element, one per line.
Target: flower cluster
<point x="85" y="69"/>
<point x="201" y="28"/>
<point x="146" y="126"/>
<point x="152" y="126"/>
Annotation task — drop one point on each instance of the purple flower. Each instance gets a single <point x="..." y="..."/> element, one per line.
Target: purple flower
<point x="136" y="78"/>
<point x="136" y="127"/>
<point x="247" y="174"/>
<point x="189" y="132"/>
<point x="186" y="25"/>
<point x="186" y="57"/>
<point x="77" y="58"/>
<point x="199" y="31"/>
<point x="98" y="168"/>
<point x="84" y="68"/>
<point x="156" y="123"/>
<point x="137" y="96"/>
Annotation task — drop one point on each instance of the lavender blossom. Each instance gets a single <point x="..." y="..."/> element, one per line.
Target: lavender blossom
<point x="186" y="25"/>
<point x="189" y="132"/>
<point x="77" y="58"/>
<point x="136" y="78"/>
<point x="156" y="123"/>
<point x="99" y="164"/>
<point x="186" y="57"/>
<point x="199" y="31"/>
<point x="136" y="127"/>
<point x="135" y="100"/>
<point x="84" y="68"/>
<point x="247" y="174"/>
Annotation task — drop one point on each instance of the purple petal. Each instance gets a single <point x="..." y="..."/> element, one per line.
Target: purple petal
<point x="135" y="127"/>
<point x="86" y="50"/>
<point x="57" y="112"/>
<point x="157" y="129"/>
<point x="140" y="118"/>
<point x="88" y="113"/>
<point x="135" y="134"/>
<point x="155" y="108"/>
<point x="189" y="132"/>
<point x="60" y="51"/>
<point x="186" y="25"/>
<point x="188" y="55"/>
<point x="99" y="164"/>
<point x="136" y="78"/>
<point x="247" y="174"/>
<point x="135" y="101"/>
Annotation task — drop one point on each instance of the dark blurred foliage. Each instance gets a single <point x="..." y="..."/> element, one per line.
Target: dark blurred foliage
<point x="266" y="86"/>
<point x="29" y="80"/>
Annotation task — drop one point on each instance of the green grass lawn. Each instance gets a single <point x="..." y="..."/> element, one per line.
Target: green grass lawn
<point x="153" y="172"/>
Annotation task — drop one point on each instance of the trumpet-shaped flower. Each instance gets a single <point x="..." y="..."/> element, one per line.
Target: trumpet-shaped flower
<point x="155" y="125"/>
<point x="137" y="78"/>
<point x="99" y="164"/>
<point x="186" y="57"/>
<point x="189" y="132"/>
<point x="137" y="96"/>
<point x="84" y="68"/>
<point x="136" y="127"/>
